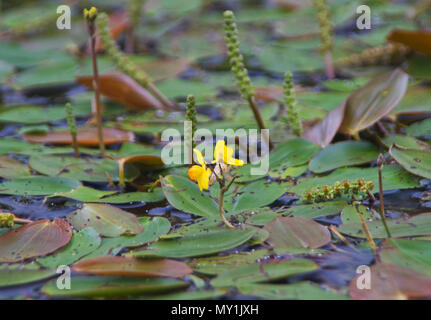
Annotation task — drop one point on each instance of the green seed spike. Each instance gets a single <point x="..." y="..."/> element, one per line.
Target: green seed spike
<point x="191" y="114"/>
<point x="326" y="29"/>
<point x="236" y="59"/>
<point x="135" y="11"/>
<point x="72" y="128"/>
<point x="292" y="117"/>
<point x="125" y="64"/>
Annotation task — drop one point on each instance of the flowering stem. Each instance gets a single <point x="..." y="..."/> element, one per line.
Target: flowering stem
<point x="329" y="65"/>
<point x="366" y="230"/>
<point x="96" y="83"/>
<point x="223" y="190"/>
<point x="257" y="116"/>
<point x="72" y="128"/>
<point x="382" y="205"/>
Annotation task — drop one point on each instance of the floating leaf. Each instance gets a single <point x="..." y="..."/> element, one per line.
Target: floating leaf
<point x="107" y="220"/>
<point x="196" y="245"/>
<point x="296" y="291"/>
<point x="82" y="243"/>
<point x="16" y="276"/>
<point x="343" y="154"/>
<point x="401" y="227"/>
<point x="264" y="271"/>
<point x="218" y="264"/>
<point x="296" y="232"/>
<point x="420" y="129"/>
<point x="405" y="141"/>
<point x="124" y="90"/>
<point x="34" y="239"/>
<point x="418" y="40"/>
<point x="87" y="194"/>
<point x="121" y="266"/>
<point x="86" y="137"/>
<point x="376" y="99"/>
<point x="185" y="195"/>
<point x="415" y="161"/>
<point x="92" y="287"/>
<point x="81" y="168"/>
<point x="38" y="186"/>
<point x="389" y="281"/>
<point x="153" y="230"/>
<point x="11" y="168"/>
<point x="325" y="130"/>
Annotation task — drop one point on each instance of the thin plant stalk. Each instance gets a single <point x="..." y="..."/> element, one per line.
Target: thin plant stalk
<point x="72" y="129"/>
<point x="366" y="230"/>
<point x="382" y="204"/>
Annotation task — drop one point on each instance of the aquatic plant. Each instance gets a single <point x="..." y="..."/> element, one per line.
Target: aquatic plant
<point x="292" y="114"/>
<point x="72" y="128"/>
<point x="325" y="31"/>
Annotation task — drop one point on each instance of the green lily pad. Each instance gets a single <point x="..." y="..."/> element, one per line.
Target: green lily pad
<point x="185" y="195"/>
<point x="264" y="271"/>
<point x="11" y="168"/>
<point x="153" y="230"/>
<point x="415" y="226"/>
<point x="292" y="153"/>
<point x="405" y="142"/>
<point x="218" y="264"/>
<point x="38" y="186"/>
<point x="91" y="287"/>
<point x="81" y="169"/>
<point x="17" y="276"/>
<point x="87" y="194"/>
<point x="415" y="161"/>
<point x="413" y="254"/>
<point x="343" y="154"/>
<point x="81" y="244"/>
<point x="420" y="129"/>
<point x="296" y="291"/>
<point x="196" y="245"/>
<point x="107" y="220"/>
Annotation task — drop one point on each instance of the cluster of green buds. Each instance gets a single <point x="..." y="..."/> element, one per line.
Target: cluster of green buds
<point x="6" y="220"/>
<point x="191" y="115"/>
<point x="326" y="28"/>
<point x="236" y="59"/>
<point x="123" y="62"/>
<point x="358" y="187"/>
<point x="292" y="115"/>
<point x="71" y="120"/>
<point x="388" y="54"/>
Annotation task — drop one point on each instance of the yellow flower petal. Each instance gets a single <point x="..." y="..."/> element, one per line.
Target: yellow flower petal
<point x="199" y="157"/>
<point x="204" y="179"/>
<point x="195" y="172"/>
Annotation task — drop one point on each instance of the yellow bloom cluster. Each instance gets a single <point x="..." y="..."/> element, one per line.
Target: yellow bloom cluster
<point x="91" y="13"/>
<point x="222" y="155"/>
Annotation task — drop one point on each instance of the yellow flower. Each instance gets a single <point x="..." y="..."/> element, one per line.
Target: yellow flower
<point x="200" y="173"/>
<point x="90" y="14"/>
<point x="224" y="154"/>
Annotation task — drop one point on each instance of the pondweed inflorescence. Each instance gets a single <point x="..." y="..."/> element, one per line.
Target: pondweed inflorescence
<point x="125" y="64"/>
<point x="6" y="220"/>
<point x="191" y="114"/>
<point x="325" y="31"/>
<point x="292" y="115"/>
<point x="358" y="187"/>
<point x="236" y="61"/>
<point x="72" y="128"/>
<point x="388" y="54"/>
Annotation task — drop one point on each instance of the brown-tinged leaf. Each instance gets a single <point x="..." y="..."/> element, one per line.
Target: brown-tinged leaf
<point x="390" y="281"/>
<point x="165" y="68"/>
<point x="124" y="90"/>
<point x="418" y="40"/>
<point x="131" y="267"/>
<point x="86" y="137"/>
<point x="370" y="103"/>
<point x="146" y="160"/>
<point x="269" y="94"/>
<point x="296" y="232"/>
<point x="34" y="239"/>
<point x="325" y="130"/>
<point x="107" y="220"/>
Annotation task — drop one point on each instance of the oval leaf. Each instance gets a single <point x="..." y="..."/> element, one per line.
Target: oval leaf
<point x="121" y="266"/>
<point x="34" y="239"/>
<point x="415" y="161"/>
<point x="296" y="232"/>
<point x="107" y="220"/>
